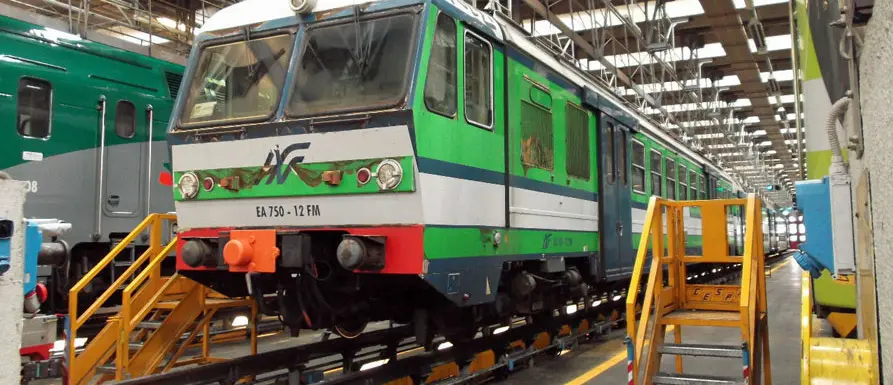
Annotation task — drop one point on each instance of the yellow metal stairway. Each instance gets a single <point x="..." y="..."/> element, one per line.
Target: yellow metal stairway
<point x="668" y="302"/>
<point x="144" y="337"/>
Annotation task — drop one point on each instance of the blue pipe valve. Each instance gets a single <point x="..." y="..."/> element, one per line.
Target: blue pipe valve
<point x="7" y="227"/>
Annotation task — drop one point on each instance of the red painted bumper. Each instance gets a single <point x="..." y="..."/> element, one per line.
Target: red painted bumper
<point x="404" y="251"/>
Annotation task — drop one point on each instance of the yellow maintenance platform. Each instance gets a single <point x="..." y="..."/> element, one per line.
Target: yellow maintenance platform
<point x="669" y="303"/>
<point x="144" y="337"/>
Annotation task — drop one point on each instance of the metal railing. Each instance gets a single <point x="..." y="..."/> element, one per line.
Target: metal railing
<point x="80" y="366"/>
<point x="664" y="231"/>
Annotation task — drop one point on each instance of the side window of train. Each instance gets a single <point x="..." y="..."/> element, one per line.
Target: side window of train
<point x="34" y="108"/>
<point x="638" y="167"/>
<point x="478" y="81"/>
<point x="671" y="179"/>
<point x="683" y="183"/>
<point x="656" y="160"/>
<point x="125" y="119"/>
<point x="577" y="142"/>
<point x="693" y="185"/>
<point x="702" y="191"/>
<point x="441" y="85"/>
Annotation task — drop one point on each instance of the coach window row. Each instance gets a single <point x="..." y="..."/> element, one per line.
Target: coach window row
<point x="34" y="111"/>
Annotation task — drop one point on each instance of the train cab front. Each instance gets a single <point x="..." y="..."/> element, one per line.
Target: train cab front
<point x="294" y="168"/>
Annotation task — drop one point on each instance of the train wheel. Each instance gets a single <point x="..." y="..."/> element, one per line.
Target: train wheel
<point x="350" y="328"/>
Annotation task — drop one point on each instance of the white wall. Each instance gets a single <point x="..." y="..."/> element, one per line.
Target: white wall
<point x="876" y="86"/>
<point x="12" y="203"/>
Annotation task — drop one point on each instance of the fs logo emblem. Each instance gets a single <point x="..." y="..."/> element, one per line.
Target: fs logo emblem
<point x="280" y="163"/>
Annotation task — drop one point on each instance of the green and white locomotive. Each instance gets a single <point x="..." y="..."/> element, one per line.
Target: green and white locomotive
<point x="410" y="160"/>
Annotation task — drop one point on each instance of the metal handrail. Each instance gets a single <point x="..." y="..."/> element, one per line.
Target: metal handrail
<point x="76" y="320"/>
<point x="654" y="305"/>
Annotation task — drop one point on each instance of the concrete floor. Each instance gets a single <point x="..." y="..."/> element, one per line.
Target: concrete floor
<point x="605" y="362"/>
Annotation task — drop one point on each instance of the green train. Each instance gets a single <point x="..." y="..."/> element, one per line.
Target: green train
<point x="85" y="129"/>
<point x="411" y="160"/>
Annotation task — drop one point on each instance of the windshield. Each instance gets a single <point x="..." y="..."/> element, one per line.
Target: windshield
<point x="353" y="65"/>
<point x="238" y="80"/>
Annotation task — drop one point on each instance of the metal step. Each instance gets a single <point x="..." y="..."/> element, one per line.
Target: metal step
<point x="691" y="379"/>
<point x="135" y="345"/>
<point x="729" y="351"/>
<point x="149" y="324"/>
<point x="107" y="369"/>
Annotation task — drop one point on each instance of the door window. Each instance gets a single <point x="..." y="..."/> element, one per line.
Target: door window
<point x="638" y="167"/>
<point x="125" y="119"/>
<point x="478" y="81"/>
<point x="656" y="159"/>
<point x="441" y="85"/>
<point x="622" y="159"/>
<point x="609" y="153"/>
<point x="34" y="105"/>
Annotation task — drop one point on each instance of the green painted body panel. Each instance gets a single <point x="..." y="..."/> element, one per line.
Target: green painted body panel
<point x="80" y="72"/>
<point x="448" y="242"/>
<point x="453" y="139"/>
<point x="525" y="80"/>
<point x="304" y="180"/>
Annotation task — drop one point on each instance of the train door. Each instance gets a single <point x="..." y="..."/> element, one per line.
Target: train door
<point x="123" y="151"/>
<point x="616" y="221"/>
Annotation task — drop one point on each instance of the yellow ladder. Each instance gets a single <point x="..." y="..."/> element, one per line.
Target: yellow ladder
<point x="155" y="312"/>
<point x="670" y="302"/>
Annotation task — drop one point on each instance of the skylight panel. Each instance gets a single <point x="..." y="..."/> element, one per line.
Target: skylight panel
<point x="781" y="76"/>
<point x="773" y="43"/>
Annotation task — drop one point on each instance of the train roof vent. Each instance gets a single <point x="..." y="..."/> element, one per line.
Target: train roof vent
<point x="173" y="82"/>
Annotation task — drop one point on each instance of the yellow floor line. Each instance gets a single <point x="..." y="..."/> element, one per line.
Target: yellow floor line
<point x="604" y="366"/>
<point x="779" y="266"/>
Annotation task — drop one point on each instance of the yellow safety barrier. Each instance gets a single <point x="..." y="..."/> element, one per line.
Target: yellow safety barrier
<point x="155" y="312"/>
<point x="827" y="360"/>
<point x="670" y="301"/>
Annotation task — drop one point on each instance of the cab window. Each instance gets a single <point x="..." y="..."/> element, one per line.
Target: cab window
<point x="441" y="86"/>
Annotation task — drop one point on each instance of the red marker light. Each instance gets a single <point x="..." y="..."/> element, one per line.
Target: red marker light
<point x="364" y="176"/>
<point x="208" y="183"/>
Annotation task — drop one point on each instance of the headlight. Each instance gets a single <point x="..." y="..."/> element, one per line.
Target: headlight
<point x="389" y="174"/>
<point x="188" y="185"/>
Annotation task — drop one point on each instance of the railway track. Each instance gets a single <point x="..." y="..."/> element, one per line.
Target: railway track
<point x="392" y="356"/>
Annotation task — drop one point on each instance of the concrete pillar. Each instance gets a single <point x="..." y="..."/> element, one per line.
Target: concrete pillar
<point x="877" y="94"/>
<point x="12" y="203"/>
